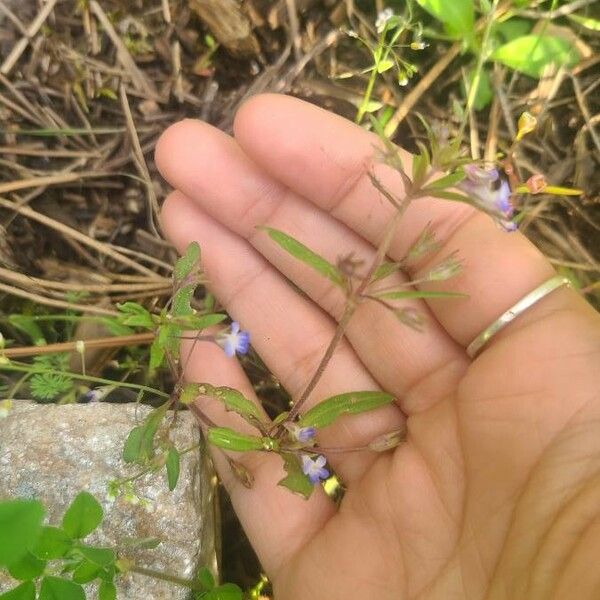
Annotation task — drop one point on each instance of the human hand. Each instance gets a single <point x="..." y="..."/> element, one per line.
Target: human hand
<point x="496" y="492"/>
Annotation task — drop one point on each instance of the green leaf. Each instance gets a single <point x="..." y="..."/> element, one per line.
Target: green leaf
<point x="26" y="568"/>
<point x="173" y="467"/>
<point x="150" y="427"/>
<point x="157" y="352"/>
<point x="421" y="164"/>
<point x="25" y="591"/>
<point x="384" y="65"/>
<point x="206" y="579"/>
<point x="103" y="557"/>
<point x="410" y="294"/>
<point x="135" y="315"/>
<point x="200" y="322"/>
<point x="233" y="400"/>
<point x="446" y="195"/>
<point x="295" y="480"/>
<point x="327" y="411"/>
<point x="53" y="543"/>
<point x="512" y="28"/>
<point x="484" y="94"/>
<point x="85" y="572"/>
<point x="83" y="516"/>
<point x="306" y="255"/>
<point x="228" y="439"/>
<point x="447" y="181"/>
<point x="181" y="306"/>
<point x="20" y="526"/>
<point x="107" y="591"/>
<point x="57" y="588"/>
<point x="227" y="591"/>
<point x="29" y="326"/>
<point x="133" y="445"/>
<point x="530" y="54"/>
<point x="114" y="327"/>
<point x="587" y="22"/>
<point x="185" y="265"/>
<point x="457" y="16"/>
<point x="385" y="270"/>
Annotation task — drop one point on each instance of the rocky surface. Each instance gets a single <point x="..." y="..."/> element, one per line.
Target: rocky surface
<point x="52" y="452"/>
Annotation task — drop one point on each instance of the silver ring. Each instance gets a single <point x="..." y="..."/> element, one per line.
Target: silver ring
<point x="475" y="347"/>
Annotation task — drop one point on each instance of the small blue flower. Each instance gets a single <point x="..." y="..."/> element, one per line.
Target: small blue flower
<point x="97" y="394"/>
<point x="234" y="340"/>
<point x="314" y="468"/>
<point x="491" y="192"/>
<point x="304" y="435"/>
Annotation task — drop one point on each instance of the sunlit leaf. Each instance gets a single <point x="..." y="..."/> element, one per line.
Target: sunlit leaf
<point x="458" y="16"/>
<point x="83" y="515"/>
<point x="20" y="526"/>
<point x="27" y="567"/>
<point x="530" y="54"/>
<point x="107" y="591"/>
<point x="52" y="543"/>
<point x="447" y="181"/>
<point x="57" y="588"/>
<point x="232" y="399"/>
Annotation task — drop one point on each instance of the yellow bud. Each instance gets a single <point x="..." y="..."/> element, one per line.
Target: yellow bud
<point x="526" y="124"/>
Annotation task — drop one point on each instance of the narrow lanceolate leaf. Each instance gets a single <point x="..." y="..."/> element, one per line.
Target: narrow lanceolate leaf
<point x="447" y="181"/>
<point x="295" y="480"/>
<point x="385" y="270"/>
<point x="173" y="467"/>
<point x="410" y="294"/>
<point x="228" y="439"/>
<point x="306" y="255"/>
<point x="329" y="410"/>
<point x="199" y="322"/>
<point x="530" y="54"/>
<point x="421" y="164"/>
<point x="551" y="189"/>
<point x="186" y="264"/>
<point x="20" y="526"/>
<point x="232" y="400"/>
<point x="83" y="516"/>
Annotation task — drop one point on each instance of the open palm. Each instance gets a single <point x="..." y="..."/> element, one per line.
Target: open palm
<point x="496" y="492"/>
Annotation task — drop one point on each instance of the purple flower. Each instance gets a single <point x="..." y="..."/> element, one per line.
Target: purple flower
<point x="234" y="340"/>
<point x="490" y="192"/>
<point x="314" y="468"/>
<point x="304" y="435"/>
<point x="97" y="394"/>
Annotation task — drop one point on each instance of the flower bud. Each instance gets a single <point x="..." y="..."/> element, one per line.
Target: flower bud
<point x="536" y="184"/>
<point x="387" y="441"/>
<point x="445" y="270"/>
<point x="526" y="124"/>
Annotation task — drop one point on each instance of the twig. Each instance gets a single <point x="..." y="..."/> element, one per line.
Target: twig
<point x="28" y="212"/>
<point x="100" y="288"/>
<point x="140" y="163"/>
<point x="19" y="47"/>
<point x="137" y="76"/>
<point x="9" y="289"/>
<point x="137" y="339"/>
<point x="292" y="12"/>
<point x="562" y="11"/>
<point x="585" y="112"/>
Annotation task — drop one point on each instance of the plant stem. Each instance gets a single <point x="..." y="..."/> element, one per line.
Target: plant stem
<point x="21" y="368"/>
<point x="351" y="306"/>
<point x="188" y="583"/>
<point x="107" y="342"/>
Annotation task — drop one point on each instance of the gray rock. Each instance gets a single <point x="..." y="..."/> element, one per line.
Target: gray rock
<point x="53" y="452"/>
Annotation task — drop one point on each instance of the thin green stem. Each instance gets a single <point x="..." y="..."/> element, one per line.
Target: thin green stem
<point x="188" y="583"/>
<point x="21" y="368"/>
